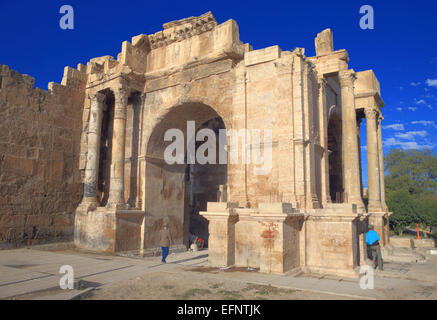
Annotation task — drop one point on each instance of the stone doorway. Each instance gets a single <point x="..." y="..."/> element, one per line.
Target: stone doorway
<point x="204" y="183"/>
<point x="184" y="188"/>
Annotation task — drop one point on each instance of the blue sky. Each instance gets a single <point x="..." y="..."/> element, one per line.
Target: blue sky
<point x="402" y="49"/>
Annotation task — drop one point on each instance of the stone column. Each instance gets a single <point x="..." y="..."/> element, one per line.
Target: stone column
<point x="381" y="165"/>
<point x="351" y="163"/>
<point x="323" y="123"/>
<point x="359" y="119"/>
<point x="141" y="159"/>
<point x="116" y="187"/>
<point x="373" y="178"/>
<point x="93" y="149"/>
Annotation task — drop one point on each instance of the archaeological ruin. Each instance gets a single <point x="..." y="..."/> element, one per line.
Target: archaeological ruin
<point x="85" y="159"/>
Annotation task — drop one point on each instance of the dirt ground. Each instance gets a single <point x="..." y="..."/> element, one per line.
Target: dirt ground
<point x="190" y="286"/>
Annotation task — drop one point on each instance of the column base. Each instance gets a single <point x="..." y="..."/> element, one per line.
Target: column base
<point x="116" y="206"/>
<point x="332" y="239"/>
<point x="279" y="226"/>
<point x="346" y="273"/>
<point x="108" y="230"/>
<point x="90" y="201"/>
<point x="221" y="242"/>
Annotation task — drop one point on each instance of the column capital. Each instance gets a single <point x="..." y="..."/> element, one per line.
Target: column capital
<point x="97" y="96"/>
<point x="322" y="82"/>
<point x="347" y="76"/>
<point x="121" y="95"/>
<point x="371" y="114"/>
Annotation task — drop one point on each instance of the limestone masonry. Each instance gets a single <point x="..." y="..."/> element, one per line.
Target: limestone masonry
<point x="85" y="159"/>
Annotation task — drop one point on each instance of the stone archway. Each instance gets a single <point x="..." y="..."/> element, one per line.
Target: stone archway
<point x="177" y="192"/>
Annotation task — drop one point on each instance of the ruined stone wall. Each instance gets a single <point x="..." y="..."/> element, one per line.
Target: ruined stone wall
<point x="39" y="149"/>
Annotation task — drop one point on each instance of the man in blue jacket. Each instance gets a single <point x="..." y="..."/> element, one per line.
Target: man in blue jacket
<point x="372" y="239"/>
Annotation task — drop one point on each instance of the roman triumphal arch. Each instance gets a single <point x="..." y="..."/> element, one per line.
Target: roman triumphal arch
<point x="288" y="197"/>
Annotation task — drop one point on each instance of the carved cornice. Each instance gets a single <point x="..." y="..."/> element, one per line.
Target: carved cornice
<point x="182" y="29"/>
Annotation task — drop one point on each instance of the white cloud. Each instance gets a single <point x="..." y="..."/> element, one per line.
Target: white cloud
<point x="412" y="108"/>
<point x="421" y="101"/>
<point x="415" y="84"/>
<point x="399" y="109"/>
<point x="431" y="82"/>
<point x="392" y="142"/>
<point x="411" y="135"/>
<point x="425" y="123"/>
<point x="395" y="126"/>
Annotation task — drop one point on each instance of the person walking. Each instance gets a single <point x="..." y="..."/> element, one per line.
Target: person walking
<point x="164" y="241"/>
<point x="372" y="240"/>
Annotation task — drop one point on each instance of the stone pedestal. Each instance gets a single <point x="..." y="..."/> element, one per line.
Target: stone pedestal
<point x="108" y="230"/>
<point x="279" y="226"/>
<point x="222" y="219"/>
<point x="333" y="241"/>
<point x="246" y="243"/>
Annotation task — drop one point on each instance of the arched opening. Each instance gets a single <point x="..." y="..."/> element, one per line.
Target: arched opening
<point x="177" y="192"/>
<point x="336" y="187"/>
<point x="204" y="183"/>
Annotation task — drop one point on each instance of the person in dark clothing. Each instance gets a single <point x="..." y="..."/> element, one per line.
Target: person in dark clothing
<point x="164" y="241"/>
<point x="372" y="240"/>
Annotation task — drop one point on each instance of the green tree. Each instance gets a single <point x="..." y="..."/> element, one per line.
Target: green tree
<point x="411" y="188"/>
<point x="402" y="204"/>
<point x="412" y="170"/>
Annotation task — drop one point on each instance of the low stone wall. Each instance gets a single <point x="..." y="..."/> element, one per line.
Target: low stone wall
<point x="398" y="242"/>
<point x="424" y="243"/>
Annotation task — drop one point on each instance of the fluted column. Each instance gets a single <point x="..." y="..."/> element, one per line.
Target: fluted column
<point x="381" y="165"/>
<point x="116" y="188"/>
<point x="373" y="172"/>
<point x="351" y="163"/>
<point x="93" y="149"/>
